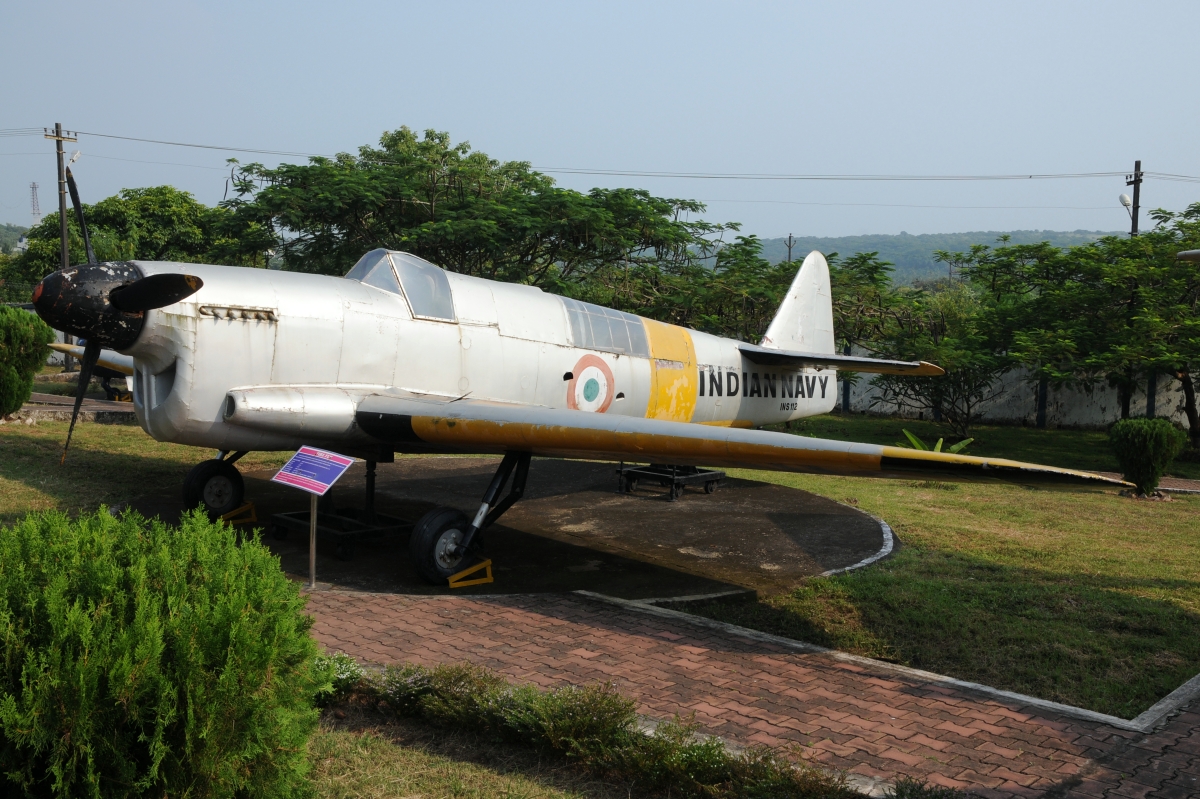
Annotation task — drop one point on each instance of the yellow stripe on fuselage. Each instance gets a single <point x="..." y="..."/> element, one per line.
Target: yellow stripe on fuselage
<point x="673" y="376"/>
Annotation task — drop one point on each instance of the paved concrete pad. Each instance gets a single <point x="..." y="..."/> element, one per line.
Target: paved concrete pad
<point x="573" y="531"/>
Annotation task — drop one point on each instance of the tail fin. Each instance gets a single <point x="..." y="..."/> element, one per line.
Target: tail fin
<point x="804" y="321"/>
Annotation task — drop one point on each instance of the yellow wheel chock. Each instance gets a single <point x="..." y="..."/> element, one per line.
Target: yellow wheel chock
<point x="242" y="515"/>
<point x="460" y="580"/>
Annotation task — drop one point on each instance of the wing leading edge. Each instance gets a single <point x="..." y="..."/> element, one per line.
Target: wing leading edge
<point x="479" y="426"/>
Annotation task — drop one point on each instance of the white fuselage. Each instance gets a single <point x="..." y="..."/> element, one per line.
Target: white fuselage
<point x="252" y="328"/>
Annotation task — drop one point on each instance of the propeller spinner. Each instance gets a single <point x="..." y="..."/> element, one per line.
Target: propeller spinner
<point x="103" y="303"/>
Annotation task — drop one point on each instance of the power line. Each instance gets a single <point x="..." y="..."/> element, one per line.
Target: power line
<point x="952" y="207"/>
<point x="209" y="146"/>
<point x="658" y="173"/>
<point x="766" y="176"/>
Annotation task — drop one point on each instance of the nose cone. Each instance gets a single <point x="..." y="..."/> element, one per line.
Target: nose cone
<point x="76" y="301"/>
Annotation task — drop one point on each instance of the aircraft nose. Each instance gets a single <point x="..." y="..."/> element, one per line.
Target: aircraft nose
<point x="75" y="300"/>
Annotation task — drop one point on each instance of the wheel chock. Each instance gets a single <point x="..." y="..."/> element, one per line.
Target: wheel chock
<point x="242" y="515"/>
<point x="460" y="580"/>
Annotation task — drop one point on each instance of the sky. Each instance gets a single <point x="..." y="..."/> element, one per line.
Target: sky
<point x="778" y="88"/>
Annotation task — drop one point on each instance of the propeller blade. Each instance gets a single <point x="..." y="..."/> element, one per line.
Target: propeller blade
<point x="91" y="354"/>
<point x="155" y="291"/>
<point x="87" y="240"/>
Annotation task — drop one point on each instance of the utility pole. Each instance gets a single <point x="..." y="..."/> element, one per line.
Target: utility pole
<point x="1135" y="180"/>
<point x="790" y="242"/>
<point x="59" y="136"/>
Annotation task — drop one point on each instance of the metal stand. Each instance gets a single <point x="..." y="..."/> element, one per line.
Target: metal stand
<point x="343" y="526"/>
<point x="673" y="477"/>
<point x="312" y="543"/>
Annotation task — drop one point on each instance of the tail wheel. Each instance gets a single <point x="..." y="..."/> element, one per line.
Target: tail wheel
<point x="433" y="539"/>
<point x="215" y="486"/>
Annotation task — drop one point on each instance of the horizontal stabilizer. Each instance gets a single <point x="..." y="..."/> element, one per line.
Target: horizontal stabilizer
<point x="846" y="363"/>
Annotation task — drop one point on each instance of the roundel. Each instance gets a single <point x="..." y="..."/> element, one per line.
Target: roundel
<point x="592" y="386"/>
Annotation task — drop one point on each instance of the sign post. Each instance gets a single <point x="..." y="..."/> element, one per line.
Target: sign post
<point x="315" y="471"/>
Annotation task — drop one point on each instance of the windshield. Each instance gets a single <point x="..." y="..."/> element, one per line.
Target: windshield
<point x="374" y="269"/>
<point x="360" y="269"/>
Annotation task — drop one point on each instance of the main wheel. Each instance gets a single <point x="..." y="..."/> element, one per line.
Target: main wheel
<point x="710" y="486"/>
<point x="214" y="485"/>
<point x="431" y="542"/>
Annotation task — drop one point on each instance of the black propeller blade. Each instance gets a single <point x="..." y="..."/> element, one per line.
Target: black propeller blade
<point x="91" y="354"/>
<point x="155" y="291"/>
<point x="87" y="240"/>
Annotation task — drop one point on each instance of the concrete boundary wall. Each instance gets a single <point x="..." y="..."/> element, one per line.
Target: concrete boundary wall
<point x="1016" y="403"/>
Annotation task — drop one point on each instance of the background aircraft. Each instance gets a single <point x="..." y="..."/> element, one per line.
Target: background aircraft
<point x="402" y="356"/>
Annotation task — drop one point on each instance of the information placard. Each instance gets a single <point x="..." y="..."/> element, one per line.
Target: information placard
<point x="313" y="470"/>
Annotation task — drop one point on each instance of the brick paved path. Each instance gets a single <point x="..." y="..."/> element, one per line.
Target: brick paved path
<point x="868" y="720"/>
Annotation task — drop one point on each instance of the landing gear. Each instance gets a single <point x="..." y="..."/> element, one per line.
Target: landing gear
<point x="442" y="538"/>
<point x="435" y="544"/>
<point x="215" y="485"/>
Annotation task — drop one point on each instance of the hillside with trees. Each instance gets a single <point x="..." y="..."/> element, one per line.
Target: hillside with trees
<point x="913" y="256"/>
<point x="8" y="237"/>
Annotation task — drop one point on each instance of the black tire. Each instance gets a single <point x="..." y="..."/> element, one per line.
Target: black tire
<point x="430" y="537"/>
<point x="344" y="550"/>
<point x="630" y="484"/>
<point x="279" y="532"/>
<point x="215" y="486"/>
<point x="710" y="486"/>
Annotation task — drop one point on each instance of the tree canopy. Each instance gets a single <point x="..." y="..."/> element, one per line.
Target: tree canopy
<point x="462" y="210"/>
<point x="160" y="223"/>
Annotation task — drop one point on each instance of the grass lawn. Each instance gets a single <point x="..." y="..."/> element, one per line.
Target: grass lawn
<point x="106" y="464"/>
<point x="364" y="756"/>
<point x="1075" y="449"/>
<point x="1085" y="598"/>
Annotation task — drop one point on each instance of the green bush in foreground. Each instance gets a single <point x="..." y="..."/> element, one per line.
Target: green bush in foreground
<point x="1145" y="448"/>
<point x="138" y="659"/>
<point x="24" y="340"/>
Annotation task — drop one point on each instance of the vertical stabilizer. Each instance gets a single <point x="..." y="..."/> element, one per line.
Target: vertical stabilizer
<point x="804" y="321"/>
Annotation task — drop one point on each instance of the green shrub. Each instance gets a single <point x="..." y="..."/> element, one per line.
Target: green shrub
<point x="24" y="340"/>
<point x="138" y="659"/>
<point x="1145" y="448"/>
<point x="596" y="727"/>
<point x="908" y="788"/>
<point x="343" y="674"/>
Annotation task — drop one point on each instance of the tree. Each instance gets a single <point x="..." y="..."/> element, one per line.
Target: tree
<point x="160" y="223"/>
<point x="461" y="210"/>
<point x="948" y="327"/>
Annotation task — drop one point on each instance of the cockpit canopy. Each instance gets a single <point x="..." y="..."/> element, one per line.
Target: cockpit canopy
<point x="424" y="285"/>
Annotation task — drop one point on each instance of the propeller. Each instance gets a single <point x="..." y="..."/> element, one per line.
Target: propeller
<point x="91" y="351"/>
<point x="155" y="291"/>
<point x="87" y="240"/>
<point x="103" y="303"/>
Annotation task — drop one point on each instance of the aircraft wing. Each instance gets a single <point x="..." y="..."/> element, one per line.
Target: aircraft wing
<point x="766" y="356"/>
<point x="412" y="423"/>
<point x="108" y="358"/>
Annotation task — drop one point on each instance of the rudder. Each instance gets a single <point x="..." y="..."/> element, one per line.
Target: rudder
<point x="804" y="321"/>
